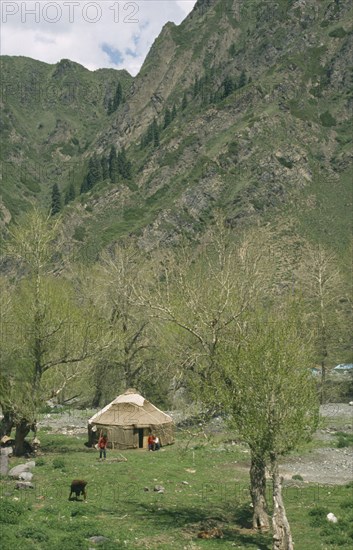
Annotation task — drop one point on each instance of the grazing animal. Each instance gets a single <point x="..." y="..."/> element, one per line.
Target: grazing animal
<point x="78" y="486"/>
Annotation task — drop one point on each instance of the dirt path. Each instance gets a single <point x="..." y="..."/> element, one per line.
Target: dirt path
<point x="326" y="465"/>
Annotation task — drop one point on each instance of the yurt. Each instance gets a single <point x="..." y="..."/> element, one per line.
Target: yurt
<point x="128" y="421"/>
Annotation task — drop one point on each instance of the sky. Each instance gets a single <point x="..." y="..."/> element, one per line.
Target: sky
<point x="102" y="33"/>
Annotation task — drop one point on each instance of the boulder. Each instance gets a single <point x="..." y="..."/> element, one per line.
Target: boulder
<point x="24" y="485"/>
<point x="26" y="476"/>
<point x="332" y="518"/>
<point x="159" y="489"/>
<point x="20" y="468"/>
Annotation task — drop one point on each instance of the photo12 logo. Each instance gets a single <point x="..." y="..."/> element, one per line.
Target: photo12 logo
<point x="28" y="12"/>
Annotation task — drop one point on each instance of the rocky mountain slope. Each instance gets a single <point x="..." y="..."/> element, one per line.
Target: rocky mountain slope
<point x="261" y="95"/>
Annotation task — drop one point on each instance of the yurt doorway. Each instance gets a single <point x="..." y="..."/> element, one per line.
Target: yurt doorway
<point x="141" y="435"/>
<point x="140" y="438"/>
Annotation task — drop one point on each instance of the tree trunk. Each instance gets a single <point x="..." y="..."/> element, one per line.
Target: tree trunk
<point x="6" y="424"/>
<point x="282" y="538"/>
<point x="323" y="383"/>
<point x="258" y="492"/>
<point x="22" y="429"/>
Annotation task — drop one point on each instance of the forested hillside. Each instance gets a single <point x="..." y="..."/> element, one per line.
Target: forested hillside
<point x="245" y="106"/>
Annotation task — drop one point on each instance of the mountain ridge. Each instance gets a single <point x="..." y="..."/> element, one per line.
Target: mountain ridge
<point x="263" y="97"/>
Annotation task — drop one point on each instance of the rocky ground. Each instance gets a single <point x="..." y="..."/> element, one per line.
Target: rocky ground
<point x="327" y="464"/>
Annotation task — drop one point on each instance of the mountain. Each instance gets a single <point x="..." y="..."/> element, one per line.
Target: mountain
<point x="246" y="107"/>
<point x="49" y="117"/>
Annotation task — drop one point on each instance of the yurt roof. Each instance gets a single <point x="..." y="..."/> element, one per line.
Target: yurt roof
<point x="130" y="409"/>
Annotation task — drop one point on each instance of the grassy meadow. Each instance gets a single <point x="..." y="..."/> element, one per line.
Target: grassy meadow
<point x="206" y="486"/>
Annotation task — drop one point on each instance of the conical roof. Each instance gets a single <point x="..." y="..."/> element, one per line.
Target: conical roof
<point x="130" y="409"/>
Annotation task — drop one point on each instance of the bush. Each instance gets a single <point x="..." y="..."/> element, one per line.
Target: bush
<point x="79" y="233"/>
<point x="10" y="512"/>
<point x="58" y="463"/>
<point x="318" y="516"/>
<point x="327" y="119"/>
<point x="337" y="33"/>
<point x="33" y="533"/>
<point x="298" y="477"/>
<point x="285" y="162"/>
<point x="40" y="461"/>
<point x="342" y="442"/>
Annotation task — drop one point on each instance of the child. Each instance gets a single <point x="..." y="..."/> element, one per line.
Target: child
<point x="150" y="442"/>
<point x="102" y="445"/>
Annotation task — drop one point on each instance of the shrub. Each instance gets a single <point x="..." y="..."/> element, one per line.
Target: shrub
<point x="327" y="119"/>
<point x="285" y="162"/>
<point x="298" y="477"/>
<point x="318" y="516"/>
<point x="344" y="439"/>
<point x="33" y="533"/>
<point x="58" y="463"/>
<point x="80" y="233"/>
<point x="342" y="442"/>
<point x="40" y="461"/>
<point x="337" y="33"/>
<point x="10" y="512"/>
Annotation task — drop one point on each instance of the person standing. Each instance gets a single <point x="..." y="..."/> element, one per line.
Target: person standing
<point x="102" y="445"/>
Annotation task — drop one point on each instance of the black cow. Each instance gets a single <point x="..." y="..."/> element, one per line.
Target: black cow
<point x="78" y="486"/>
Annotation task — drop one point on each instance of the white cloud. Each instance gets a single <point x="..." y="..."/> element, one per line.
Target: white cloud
<point x="86" y="31"/>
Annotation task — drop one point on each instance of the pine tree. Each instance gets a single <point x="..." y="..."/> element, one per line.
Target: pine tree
<point x="149" y="134"/>
<point x="242" y="79"/>
<point x="113" y="165"/>
<point x="155" y="133"/>
<point x="55" y="200"/>
<point x="70" y="193"/>
<point x="118" y="97"/>
<point x="174" y="112"/>
<point x="167" y="118"/>
<point x="105" y="168"/>
<point x="228" y="86"/>
<point x="94" y="174"/>
<point x="84" y="185"/>
<point x="196" y="87"/>
<point x="94" y="170"/>
<point x="124" y="165"/>
<point x="184" y="103"/>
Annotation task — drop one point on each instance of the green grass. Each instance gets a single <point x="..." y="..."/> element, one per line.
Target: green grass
<point x="119" y="507"/>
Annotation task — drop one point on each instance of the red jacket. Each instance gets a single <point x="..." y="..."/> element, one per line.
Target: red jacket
<point x="102" y="442"/>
